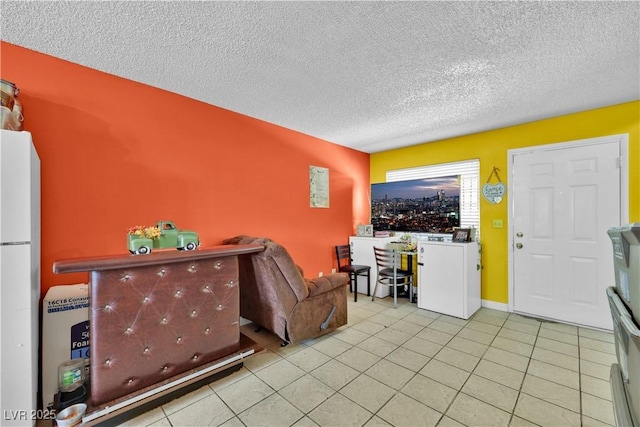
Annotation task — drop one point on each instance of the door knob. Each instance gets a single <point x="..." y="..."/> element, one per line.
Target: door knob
<point x="519" y="234"/>
<point x="519" y="245"/>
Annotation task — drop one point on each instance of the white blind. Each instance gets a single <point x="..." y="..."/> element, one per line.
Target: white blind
<point x="469" y="172"/>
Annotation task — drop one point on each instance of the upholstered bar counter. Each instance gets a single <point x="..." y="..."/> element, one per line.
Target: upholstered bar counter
<point x="154" y="317"/>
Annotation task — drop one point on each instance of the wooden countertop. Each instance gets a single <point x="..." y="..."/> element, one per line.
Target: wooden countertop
<point x="112" y="262"/>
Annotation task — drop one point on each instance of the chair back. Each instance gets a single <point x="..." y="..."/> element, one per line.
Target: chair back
<point x="387" y="258"/>
<point x="343" y="254"/>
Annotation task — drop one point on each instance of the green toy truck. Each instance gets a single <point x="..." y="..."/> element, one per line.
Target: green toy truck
<point x="165" y="234"/>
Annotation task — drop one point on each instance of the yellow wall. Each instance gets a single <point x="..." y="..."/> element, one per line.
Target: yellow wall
<point x="491" y="148"/>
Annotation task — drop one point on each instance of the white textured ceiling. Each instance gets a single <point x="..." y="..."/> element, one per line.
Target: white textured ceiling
<point x="367" y="75"/>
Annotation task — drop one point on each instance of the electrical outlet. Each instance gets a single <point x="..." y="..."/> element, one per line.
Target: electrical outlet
<point x="320" y="274"/>
<point x="333" y="270"/>
<point x="497" y="223"/>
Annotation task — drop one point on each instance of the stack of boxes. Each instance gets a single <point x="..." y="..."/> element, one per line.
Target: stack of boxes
<point x="65" y="334"/>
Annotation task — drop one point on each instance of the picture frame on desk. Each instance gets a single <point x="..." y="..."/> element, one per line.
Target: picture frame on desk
<point x="461" y="235"/>
<point x="365" y="230"/>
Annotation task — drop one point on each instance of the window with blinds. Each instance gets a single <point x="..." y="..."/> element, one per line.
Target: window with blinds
<point x="469" y="172"/>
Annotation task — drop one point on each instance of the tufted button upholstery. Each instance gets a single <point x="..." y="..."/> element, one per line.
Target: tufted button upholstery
<point x="149" y="323"/>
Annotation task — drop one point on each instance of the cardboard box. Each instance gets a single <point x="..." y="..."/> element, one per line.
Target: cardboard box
<point x="65" y="333"/>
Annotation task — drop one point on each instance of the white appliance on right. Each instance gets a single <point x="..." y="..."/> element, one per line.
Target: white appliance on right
<point x="624" y="302"/>
<point x="449" y="277"/>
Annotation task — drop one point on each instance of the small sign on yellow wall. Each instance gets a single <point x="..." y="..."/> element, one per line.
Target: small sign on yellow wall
<point x="494" y="193"/>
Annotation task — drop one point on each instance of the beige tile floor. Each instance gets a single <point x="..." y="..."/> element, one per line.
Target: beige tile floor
<point x="412" y="367"/>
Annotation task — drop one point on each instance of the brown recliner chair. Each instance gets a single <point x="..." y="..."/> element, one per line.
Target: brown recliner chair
<point x="275" y="295"/>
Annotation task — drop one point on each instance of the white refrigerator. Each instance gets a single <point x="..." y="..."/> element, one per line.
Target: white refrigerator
<point x="19" y="278"/>
<point x="449" y="278"/>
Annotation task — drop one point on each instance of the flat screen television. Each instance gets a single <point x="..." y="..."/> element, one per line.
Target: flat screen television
<point x="429" y="205"/>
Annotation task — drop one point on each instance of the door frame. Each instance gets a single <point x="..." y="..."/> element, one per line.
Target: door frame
<point x="623" y="143"/>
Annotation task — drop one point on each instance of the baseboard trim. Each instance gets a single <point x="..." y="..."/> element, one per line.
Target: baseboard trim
<point x="495" y="305"/>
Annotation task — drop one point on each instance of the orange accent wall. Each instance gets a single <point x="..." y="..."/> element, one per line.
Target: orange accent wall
<point x="115" y="153"/>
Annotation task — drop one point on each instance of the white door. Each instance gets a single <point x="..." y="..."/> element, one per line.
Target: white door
<point x="564" y="198"/>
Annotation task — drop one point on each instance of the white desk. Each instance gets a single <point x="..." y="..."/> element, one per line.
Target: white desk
<point x="362" y="254"/>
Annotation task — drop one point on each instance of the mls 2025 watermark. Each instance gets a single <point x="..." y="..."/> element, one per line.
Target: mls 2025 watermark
<point x="26" y="415"/>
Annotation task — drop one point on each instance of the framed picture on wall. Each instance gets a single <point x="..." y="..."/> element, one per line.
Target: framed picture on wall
<point x="318" y="187"/>
<point x="461" y="235"/>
